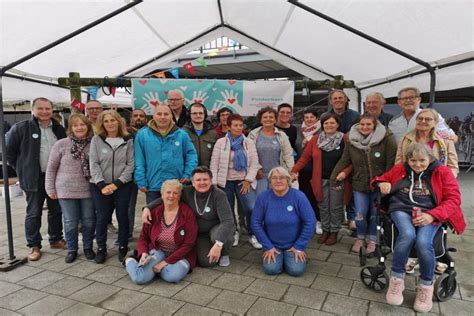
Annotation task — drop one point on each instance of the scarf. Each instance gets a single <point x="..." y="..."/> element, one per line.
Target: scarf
<point x="329" y="143"/>
<point x="240" y="159"/>
<point x="78" y="153"/>
<point x="308" y="131"/>
<point x="365" y="143"/>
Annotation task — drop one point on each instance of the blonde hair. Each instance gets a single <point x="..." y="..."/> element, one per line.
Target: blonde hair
<point x="122" y="128"/>
<point x="435" y="115"/>
<point x="78" y="116"/>
<point x="173" y="183"/>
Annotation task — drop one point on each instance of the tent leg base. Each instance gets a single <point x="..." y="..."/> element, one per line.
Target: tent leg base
<point x="7" y="264"/>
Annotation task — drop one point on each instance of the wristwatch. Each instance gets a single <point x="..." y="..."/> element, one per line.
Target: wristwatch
<point x="219" y="243"/>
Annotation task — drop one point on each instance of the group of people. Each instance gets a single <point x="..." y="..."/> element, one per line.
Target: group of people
<point x="192" y="174"/>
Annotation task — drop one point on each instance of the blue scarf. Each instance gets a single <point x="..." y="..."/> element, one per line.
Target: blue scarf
<point x="240" y="159"/>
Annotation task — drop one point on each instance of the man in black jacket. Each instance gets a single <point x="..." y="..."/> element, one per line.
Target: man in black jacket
<point x="28" y="146"/>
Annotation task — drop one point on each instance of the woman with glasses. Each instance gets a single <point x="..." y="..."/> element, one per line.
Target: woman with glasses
<point x="425" y="133"/>
<point x="284" y="222"/>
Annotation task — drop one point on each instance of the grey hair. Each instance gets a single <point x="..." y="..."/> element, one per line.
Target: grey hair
<point x="173" y="183"/>
<point x="419" y="150"/>
<point x="177" y="91"/>
<point x="432" y="111"/>
<point x="281" y="171"/>
<point x="377" y="94"/>
<point x="416" y="90"/>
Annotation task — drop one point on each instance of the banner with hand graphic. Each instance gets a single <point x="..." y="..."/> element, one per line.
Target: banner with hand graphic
<point x="243" y="97"/>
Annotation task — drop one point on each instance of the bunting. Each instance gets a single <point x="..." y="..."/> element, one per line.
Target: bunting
<point x="189" y="67"/>
<point x="92" y="92"/>
<point x="201" y="61"/>
<point x="174" y="72"/>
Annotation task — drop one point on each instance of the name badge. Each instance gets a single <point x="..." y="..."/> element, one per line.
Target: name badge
<point x="289" y="208"/>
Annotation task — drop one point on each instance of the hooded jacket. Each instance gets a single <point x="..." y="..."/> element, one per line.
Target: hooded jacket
<point x="203" y="143"/>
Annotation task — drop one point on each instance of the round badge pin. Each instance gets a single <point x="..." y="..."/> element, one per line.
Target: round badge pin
<point x="289" y="208"/>
<point x="338" y="147"/>
<point x="181" y="232"/>
<point x="104" y="150"/>
<point x="274" y="142"/>
<point x="377" y="154"/>
<point x="207" y="209"/>
<point x="209" y="146"/>
<point x="176" y="143"/>
<point x="35" y="136"/>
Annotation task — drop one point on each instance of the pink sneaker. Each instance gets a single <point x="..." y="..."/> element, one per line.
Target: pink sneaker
<point x="370" y="248"/>
<point x="395" y="291"/>
<point x="359" y="243"/>
<point x="424" y="298"/>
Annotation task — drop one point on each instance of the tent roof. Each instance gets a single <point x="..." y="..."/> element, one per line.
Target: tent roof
<point x="439" y="32"/>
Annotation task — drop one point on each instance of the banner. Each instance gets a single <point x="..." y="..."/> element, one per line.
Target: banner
<point x="243" y="97"/>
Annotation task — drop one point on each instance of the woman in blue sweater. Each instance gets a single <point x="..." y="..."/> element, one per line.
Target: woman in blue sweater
<point x="284" y="222"/>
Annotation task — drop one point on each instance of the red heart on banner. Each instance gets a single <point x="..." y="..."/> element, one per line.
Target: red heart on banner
<point x="231" y="101"/>
<point x="166" y="92"/>
<point x="154" y="103"/>
<point x="142" y="82"/>
<point x="198" y="101"/>
<point x="199" y="80"/>
<point x="232" y="82"/>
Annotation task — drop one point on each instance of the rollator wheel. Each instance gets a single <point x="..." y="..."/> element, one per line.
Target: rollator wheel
<point x="444" y="288"/>
<point x="374" y="278"/>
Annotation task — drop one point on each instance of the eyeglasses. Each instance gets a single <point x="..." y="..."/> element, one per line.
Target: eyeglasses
<point x="278" y="178"/>
<point x="197" y="113"/>
<point x="94" y="109"/>
<point x="427" y="119"/>
<point x="174" y="100"/>
<point x="410" y="98"/>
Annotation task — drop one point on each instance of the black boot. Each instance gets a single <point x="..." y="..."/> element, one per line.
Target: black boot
<point x="71" y="256"/>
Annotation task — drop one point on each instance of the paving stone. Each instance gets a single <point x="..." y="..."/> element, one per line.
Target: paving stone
<point x="83" y="309"/>
<point x="350" y="272"/>
<point x="126" y="283"/>
<point x="269" y="289"/>
<point x="254" y="256"/>
<point x="238" y="252"/>
<point x="322" y="267"/>
<point x="317" y="254"/>
<point x="344" y="258"/>
<point x="265" y="306"/>
<point x="162" y="288"/>
<point x="50" y="305"/>
<point x="332" y="284"/>
<point x="256" y="271"/>
<point x="41" y="280"/>
<point x="232" y="302"/>
<point x="303" y="311"/>
<point x="313" y="243"/>
<point x="19" y="274"/>
<point x="233" y="282"/>
<point x="467" y="292"/>
<point x="203" y="275"/>
<point x="7" y="288"/>
<point x="236" y="266"/>
<point x="305" y="280"/>
<point x="196" y="310"/>
<point x="83" y="269"/>
<point x="6" y="312"/>
<point x="361" y="291"/>
<point x="157" y="305"/>
<point x="66" y="286"/>
<point x="456" y="307"/>
<point x="124" y="301"/>
<point x="107" y="275"/>
<point x="303" y="296"/>
<point x="339" y="304"/>
<point x="20" y="299"/>
<point x="112" y="313"/>
<point x="344" y="248"/>
<point x="45" y="257"/>
<point x="376" y="309"/>
<point x="95" y="293"/>
<point x="197" y="294"/>
<point x="59" y="264"/>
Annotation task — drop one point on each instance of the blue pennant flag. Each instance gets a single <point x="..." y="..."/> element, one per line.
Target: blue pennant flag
<point x="174" y="72"/>
<point x="92" y="92"/>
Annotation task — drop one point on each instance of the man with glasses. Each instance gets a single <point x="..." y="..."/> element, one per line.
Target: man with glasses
<point x="409" y="100"/>
<point x="93" y="110"/>
<point x="201" y="132"/>
<point x="176" y="103"/>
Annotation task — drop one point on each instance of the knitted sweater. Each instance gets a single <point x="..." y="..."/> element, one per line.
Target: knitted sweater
<point x="63" y="175"/>
<point x="283" y="221"/>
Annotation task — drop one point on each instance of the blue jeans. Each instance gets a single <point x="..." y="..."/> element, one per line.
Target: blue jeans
<point x="285" y="260"/>
<point x="34" y="212"/>
<point x="364" y="207"/>
<point x="409" y="236"/>
<point x="75" y="210"/>
<point x="131" y="208"/>
<point x="232" y="189"/>
<point x="172" y="273"/>
<point x="350" y="210"/>
<point x="105" y="204"/>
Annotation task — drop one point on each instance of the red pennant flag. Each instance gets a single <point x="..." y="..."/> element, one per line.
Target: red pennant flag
<point x="78" y="105"/>
<point x="112" y="91"/>
<point x="189" y="67"/>
<point x="160" y="74"/>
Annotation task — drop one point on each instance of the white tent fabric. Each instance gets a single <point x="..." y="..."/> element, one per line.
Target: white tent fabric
<point x="435" y="31"/>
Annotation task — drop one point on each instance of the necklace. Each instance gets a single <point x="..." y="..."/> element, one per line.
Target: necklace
<point x="206" y="208"/>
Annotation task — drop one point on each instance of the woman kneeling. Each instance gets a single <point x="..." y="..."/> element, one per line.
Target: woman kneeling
<point x="166" y="247"/>
<point x="284" y="222"/>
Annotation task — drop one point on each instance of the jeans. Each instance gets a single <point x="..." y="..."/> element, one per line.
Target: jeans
<point x="351" y="210"/>
<point x="131" y="208"/>
<point x="232" y="189"/>
<point x="204" y="243"/>
<point x="104" y="204"/>
<point x="365" y="206"/>
<point x="172" y="273"/>
<point x="330" y="208"/>
<point x="262" y="185"/>
<point x="75" y="210"/>
<point x="34" y="211"/>
<point x="409" y="236"/>
<point x="152" y="195"/>
<point x="284" y="260"/>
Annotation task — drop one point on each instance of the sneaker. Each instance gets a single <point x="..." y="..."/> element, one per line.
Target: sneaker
<point x="319" y="230"/>
<point x="112" y="229"/>
<point x="35" y="254"/>
<point x="370" y="248"/>
<point x="411" y="265"/>
<point x="359" y="243"/>
<point x="254" y="242"/>
<point x="440" y="267"/>
<point x="60" y="244"/>
<point x="236" y="239"/>
<point x="89" y="254"/>
<point x="71" y="256"/>
<point x="395" y="291"/>
<point x="224" y="261"/>
<point x="352" y="225"/>
<point x="424" y="298"/>
<point x="100" y="256"/>
<point x="122" y="253"/>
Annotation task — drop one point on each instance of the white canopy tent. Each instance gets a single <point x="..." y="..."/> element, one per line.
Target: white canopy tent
<point x="155" y="32"/>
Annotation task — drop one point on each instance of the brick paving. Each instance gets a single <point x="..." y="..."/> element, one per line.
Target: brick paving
<point x="330" y="286"/>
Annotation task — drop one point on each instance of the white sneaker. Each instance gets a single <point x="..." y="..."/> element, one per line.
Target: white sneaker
<point x="224" y="261"/>
<point x="319" y="230"/>
<point x="236" y="239"/>
<point x="254" y="242"/>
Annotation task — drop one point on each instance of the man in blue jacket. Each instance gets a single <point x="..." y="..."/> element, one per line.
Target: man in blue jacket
<point x="162" y="152"/>
<point x="28" y="146"/>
